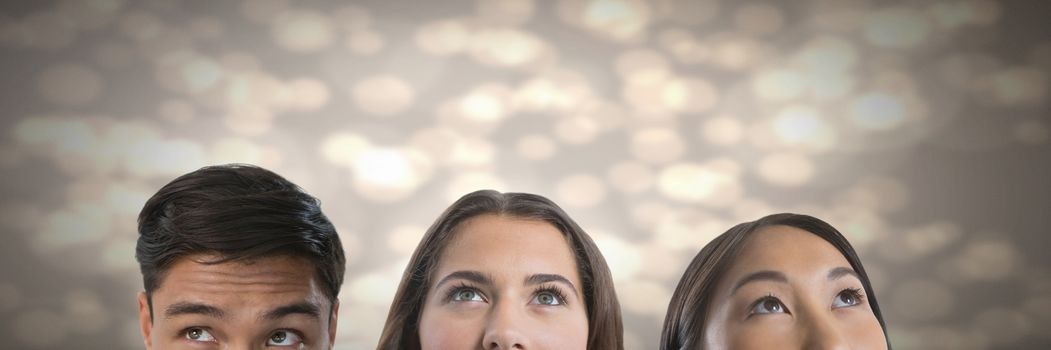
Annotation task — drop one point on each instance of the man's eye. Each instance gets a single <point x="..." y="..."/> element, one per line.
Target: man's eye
<point x="284" y="338"/>
<point x="198" y="334"/>
<point x="768" y="305"/>
<point x="467" y="295"/>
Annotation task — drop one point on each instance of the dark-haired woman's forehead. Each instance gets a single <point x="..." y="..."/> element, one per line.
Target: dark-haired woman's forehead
<point x="797" y="255"/>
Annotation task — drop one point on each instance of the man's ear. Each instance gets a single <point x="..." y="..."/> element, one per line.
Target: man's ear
<point x="332" y="324"/>
<point x="145" y="320"/>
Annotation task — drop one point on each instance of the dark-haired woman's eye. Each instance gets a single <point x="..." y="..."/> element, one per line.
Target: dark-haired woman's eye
<point x="768" y="305"/>
<point x="847" y="298"/>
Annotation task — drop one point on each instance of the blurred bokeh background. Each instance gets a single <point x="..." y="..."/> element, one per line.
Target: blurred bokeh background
<point x="919" y="128"/>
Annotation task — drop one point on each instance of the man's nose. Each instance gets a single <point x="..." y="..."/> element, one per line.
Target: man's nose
<point x="504" y="329"/>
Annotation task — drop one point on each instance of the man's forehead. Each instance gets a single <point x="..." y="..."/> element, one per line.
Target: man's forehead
<point x="194" y="275"/>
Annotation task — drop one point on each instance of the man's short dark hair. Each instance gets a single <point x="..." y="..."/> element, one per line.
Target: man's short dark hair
<point x="239" y="212"/>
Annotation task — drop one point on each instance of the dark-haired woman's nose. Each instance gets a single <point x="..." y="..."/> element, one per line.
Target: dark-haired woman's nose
<point x="504" y="330"/>
<point x="826" y="333"/>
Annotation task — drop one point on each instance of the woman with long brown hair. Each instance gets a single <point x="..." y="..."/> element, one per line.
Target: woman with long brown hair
<point x="504" y="271"/>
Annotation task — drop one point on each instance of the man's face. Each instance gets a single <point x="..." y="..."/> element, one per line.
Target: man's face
<point x="267" y="303"/>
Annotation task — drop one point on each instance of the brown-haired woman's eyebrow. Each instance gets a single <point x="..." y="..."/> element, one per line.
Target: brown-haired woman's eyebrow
<point x="764" y="275"/>
<point x="473" y="276"/>
<point x="541" y="278"/>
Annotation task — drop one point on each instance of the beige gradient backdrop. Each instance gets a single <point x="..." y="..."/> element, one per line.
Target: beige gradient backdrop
<point x="919" y="128"/>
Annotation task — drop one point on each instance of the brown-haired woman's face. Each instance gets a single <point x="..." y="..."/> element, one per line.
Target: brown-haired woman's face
<point x="790" y="289"/>
<point x="505" y="283"/>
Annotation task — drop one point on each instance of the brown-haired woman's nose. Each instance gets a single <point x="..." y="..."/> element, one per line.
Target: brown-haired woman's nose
<point x="504" y="330"/>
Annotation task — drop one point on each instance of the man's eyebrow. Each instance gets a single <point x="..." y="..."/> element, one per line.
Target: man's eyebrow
<point x="473" y="276"/>
<point x="303" y="308"/>
<point x="189" y="308"/>
<point x="764" y="275"/>
<point x="841" y="271"/>
<point x="548" y="277"/>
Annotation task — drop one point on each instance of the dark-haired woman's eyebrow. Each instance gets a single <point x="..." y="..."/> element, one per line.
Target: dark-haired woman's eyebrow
<point x="473" y="276"/>
<point x="542" y="278"/>
<point x="839" y="272"/>
<point x="764" y="275"/>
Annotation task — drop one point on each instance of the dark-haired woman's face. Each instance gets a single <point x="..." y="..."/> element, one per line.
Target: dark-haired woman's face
<point x="790" y="289"/>
<point x="505" y="283"/>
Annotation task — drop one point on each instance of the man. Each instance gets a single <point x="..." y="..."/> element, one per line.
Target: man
<point x="237" y="257"/>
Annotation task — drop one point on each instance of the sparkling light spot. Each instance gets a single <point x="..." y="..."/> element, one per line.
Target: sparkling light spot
<point x="342" y="148"/>
<point x="897" y="27"/>
<point x="699" y="183"/>
<point x="657" y="145"/>
<point x="389" y="175"/>
<point x="536" y="147"/>
<point x="828" y="54"/>
<point x="39" y="328"/>
<point x="373" y="289"/>
<point x="236" y="150"/>
<point x="152" y="157"/>
<point x="487" y="103"/>
<point x="85" y="312"/>
<point x="642" y="66"/>
<point x="759" y="19"/>
<point x="403" y="239"/>
<point x="922" y="300"/>
<point x="576" y="130"/>
<point x="1003" y="326"/>
<point x="644" y="297"/>
<point x="878" y="111"/>
<point x="624" y="259"/>
<point x="722" y="131"/>
<point x="683" y="46"/>
<point x="365" y="42"/>
<point x="176" y="111"/>
<point x="10" y="297"/>
<point x="69" y="84"/>
<point x="1033" y="132"/>
<point x="619" y="20"/>
<point x="786" y="169"/>
<point x="987" y="260"/>
<point x="382" y="95"/>
<point x="1020" y="86"/>
<point x="468" y="182"/>
<point x="687" y="230"/>
<point x="581" y="190"/>
<point x="308" y="94"/>
<point x="249" y="120"/>
<point x="801" y="125"/>
<point x="303" y="31"/>
<point x="504" y="12"/>
<point x="630" y="177"/>
<point x="507" y="47"/>
<point x="437" y="143"/>
<point x="443" y="37"/>
<point x="778" y="85"/>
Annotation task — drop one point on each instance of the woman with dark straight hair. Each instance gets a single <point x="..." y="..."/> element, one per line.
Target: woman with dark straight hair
<point x="504" y="271"/>
<point x="785" y="281"/>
